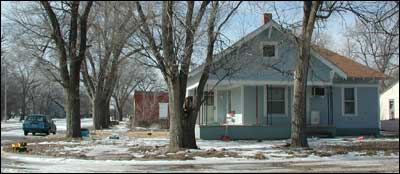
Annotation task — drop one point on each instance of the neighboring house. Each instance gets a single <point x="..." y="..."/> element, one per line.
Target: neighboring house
<point x="255" y="101"/>
<point x="389" y="104"/>
<point x="150" y="108"/>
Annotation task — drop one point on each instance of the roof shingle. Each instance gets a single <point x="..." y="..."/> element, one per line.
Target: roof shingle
<point x="347" y="65"/>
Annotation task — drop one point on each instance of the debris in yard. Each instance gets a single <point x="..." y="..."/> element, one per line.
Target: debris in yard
<point x="180" y="152"/>
<point x="322" y="153"/>
<point x="19" y="147"/>
<point x="149" y="133"/>
<point x="371" y="152"/>
<point x="114" y="137"/>
<point x="211" y="150"/>
<point x="84" y="132"/>
<point x="260" y="156"/>
<point x="225" y="138"/>
<point x="360" y="138"/>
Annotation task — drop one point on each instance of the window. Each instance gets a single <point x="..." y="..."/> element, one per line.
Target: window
<point x="349" y="102"/>
<point x="163" y="110"/>
<point x="209" y="98"/>
<point x="317" y="91"/>
<point x="391" y="109"/>
<point x="276" y="100"/>
<point x="269" y="50"/>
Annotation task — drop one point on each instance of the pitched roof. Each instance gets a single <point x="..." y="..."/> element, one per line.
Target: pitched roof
<point x="347" y="65"/>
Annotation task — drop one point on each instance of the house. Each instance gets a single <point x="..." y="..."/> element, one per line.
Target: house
<point x="150" y="108"/>
<point x="389" y="104"/>
<point x="253" y="97"/>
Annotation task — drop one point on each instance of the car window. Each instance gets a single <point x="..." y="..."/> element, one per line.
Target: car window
<point x="36" y="118"/>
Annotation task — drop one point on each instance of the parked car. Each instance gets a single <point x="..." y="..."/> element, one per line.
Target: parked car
<point x="37" y="123"/>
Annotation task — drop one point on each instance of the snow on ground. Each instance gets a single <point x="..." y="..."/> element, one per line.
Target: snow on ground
<point x="61" y="124"/>
<point x="103" y="146"/>
<point x="13" y="127"/>
<point x="46" y="164"/>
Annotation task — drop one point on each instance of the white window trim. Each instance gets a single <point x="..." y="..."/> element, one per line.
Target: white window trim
<point x="355" y="102"/>
<point x="269" y="43"/>
<point x="285" y="102"/>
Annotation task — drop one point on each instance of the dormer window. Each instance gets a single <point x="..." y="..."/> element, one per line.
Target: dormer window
<point x="269" y="50"/>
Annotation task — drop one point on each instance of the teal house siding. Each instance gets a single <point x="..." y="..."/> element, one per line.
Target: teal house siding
<point x="250" y="74"/>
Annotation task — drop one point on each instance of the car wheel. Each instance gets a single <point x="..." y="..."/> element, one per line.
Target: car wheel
<point x="54" y="132"/>
<point x="33" y="133"/>
<point x="25" y="133"/>
<point x="48" y="132"/>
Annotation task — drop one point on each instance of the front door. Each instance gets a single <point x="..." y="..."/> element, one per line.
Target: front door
<point x="317" y="106"/>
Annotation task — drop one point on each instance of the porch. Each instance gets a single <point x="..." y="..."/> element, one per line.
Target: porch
<point x="261" y="112"/>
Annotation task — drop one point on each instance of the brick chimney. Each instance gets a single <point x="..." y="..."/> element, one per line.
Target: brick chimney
<point x="266" y="18"/>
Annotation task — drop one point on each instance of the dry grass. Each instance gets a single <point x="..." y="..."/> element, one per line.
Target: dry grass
<point x="146" y="134"/>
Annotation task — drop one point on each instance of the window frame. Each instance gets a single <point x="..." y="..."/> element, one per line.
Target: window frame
<point x="275" y="44"/>
<point x="285" y="100"/>
<point x="354" y="101"/>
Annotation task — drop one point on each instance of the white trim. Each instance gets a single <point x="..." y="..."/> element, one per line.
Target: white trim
<point x="265" y="100"/>
<point x="332" y="74"/>
<point x="216" y="104"/>
<point x="242" y="103"/>
<point x="269" y="32"/>
<point x="308" y="104"/>
<point x="329" y="64"/>
<point x="192" y="86"/>
<point x="355" y="85"/>
<point x="232" y="86"/>
<point x="355" y="103"/>
<point x="262" y="82"/>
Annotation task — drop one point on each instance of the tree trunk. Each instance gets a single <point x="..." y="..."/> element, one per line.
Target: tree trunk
<point x="73" y="110"/>
<point x="97" y="113"/>
<point x="188" y="127"/>
<point x="299" y="137"/>
<point x="175" y="113"/>
<point x="298" y="134"/>
<point x="119" y="109"/>
<point x="106" y="114"/>
<point x="23" y="105"/>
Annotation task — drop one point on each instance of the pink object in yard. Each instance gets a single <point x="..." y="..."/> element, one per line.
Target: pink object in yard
<point x="360" y="138"/>
<point x="225" y="138"/>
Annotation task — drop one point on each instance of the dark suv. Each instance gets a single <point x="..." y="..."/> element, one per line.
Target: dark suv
<point x="39" y="124"/>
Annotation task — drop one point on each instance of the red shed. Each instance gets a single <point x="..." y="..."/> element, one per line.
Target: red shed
<point x="150" y="108"/>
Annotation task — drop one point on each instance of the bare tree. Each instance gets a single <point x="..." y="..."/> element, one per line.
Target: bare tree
<point x="130" y="75"/>
<point x="70" y="56"/>
<point x="26" y="77"/>
<point x="376" y="44"/>
<point x="113" y="25"/>
<point x="178" y="33"/>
